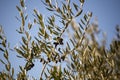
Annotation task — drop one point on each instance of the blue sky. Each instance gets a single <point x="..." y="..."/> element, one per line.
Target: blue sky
<point x="106" y="11"/>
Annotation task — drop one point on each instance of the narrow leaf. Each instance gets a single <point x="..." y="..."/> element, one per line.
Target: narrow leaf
<point x="12" y="71"/>
<point x="20" y="52"/>
<point x="18" y="9"/>
<point x="1" y="49"/>
<point x="85" y="17"/>
<point x="19" y="56"/>
<point x="89" y="48"/>
<point x="82" y="22"/>
<point x="17" y="18"/>
<point x="6" y="54"/>
<point x="68" y="45"/>
<point x="79" y="13"/>
<point x="2" y="61"/>
<point x="49" y="9"/>
<point x="81" y="26"/>
<point x="72" y="42"/>
<point x="24" y="40"/>
<point x="22" y="3"/>
<point x="46" y="35"/>
<point x="26" y="17"/>
<point x="3" y="43"/>
<point x="75" y="6"/>
<point x="23" y="20"/>
<point x="29" y="26"/>
<point x="7" y="66"/>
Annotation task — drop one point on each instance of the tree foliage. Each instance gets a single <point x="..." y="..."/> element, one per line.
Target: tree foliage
<point x="84" y="57"/>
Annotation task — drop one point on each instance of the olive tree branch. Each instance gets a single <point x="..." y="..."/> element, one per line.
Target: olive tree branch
<point x="44" y="66"/>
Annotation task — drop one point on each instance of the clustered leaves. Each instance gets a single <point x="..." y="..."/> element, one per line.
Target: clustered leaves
<point x="84" y="58"/>
<point x="4" y="46"/>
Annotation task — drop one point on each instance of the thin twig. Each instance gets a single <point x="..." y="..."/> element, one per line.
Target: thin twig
<point x="81" y="40"/>
<point x="43" y="70"/>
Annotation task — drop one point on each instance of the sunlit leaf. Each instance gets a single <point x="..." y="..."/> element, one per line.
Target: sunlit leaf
<point x="20" y="52"/>
<point x="35" y="11"/>
<point x="23" y="20"/>
<point x="22" y="3"/>
<point x="24" y="40"/>
<point x="42" y="31"/>
<point x="40" y="18"/>
<point x="4" y="43"/>
<point x="6" y="54"/>
<point x="46" y="35"/>
<point x="41" y="23"/>
<point x="7" y="66"/>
